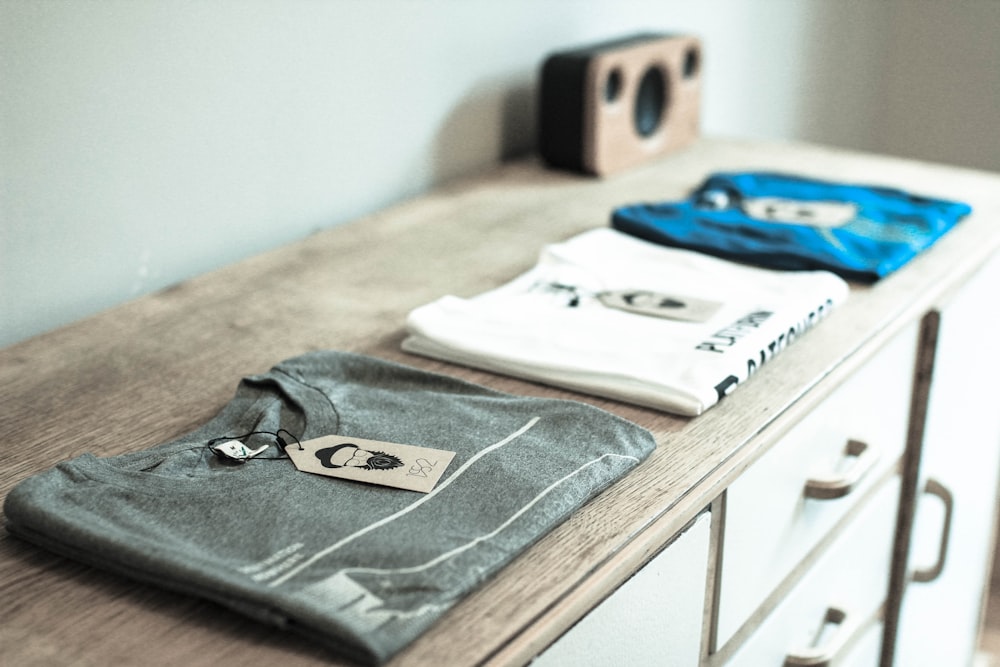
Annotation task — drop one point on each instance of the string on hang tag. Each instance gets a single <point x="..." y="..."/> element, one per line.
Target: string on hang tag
<point x="378" y="462"/>
<point x="233" y="448"/>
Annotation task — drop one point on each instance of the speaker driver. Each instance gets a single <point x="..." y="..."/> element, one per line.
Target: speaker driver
<point x="650" y="101"/>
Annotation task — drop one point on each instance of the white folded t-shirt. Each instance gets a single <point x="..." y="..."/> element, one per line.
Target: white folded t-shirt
<point x="612" y="315"/>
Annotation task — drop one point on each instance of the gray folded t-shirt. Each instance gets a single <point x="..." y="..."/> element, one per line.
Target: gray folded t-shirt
<point x="364" y="569"/>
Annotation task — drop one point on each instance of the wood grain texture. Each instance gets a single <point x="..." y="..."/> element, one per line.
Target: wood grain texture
<point x="154" y="368"/>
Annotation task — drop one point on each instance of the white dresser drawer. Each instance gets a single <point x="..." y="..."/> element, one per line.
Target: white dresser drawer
<point x="653" y="619"/>
<point x="867" y="652"/>
<point x="772" y="521"/>
<point x="834" y="609"/>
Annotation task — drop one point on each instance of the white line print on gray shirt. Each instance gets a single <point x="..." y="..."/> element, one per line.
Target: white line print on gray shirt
<point x="364" y="604"/>
<point x="406" y="510"/>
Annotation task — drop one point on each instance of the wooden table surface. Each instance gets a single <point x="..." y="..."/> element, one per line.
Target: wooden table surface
<point x="156" y="367"/>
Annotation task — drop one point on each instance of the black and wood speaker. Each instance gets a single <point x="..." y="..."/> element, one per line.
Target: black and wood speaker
<point x="609" y="106"/>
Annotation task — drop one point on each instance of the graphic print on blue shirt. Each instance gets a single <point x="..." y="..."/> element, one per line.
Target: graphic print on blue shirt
<point x="782" y="221"/>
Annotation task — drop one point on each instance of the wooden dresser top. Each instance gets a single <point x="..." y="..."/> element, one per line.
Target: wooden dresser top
<point x="156" y="367"/>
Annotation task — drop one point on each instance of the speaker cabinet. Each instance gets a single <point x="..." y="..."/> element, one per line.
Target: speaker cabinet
<point x="609" y="106"/>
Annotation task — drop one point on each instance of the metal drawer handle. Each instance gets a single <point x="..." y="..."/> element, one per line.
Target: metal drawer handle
<point x="827" y="488"/>
<point x="833" y="636"/>
<point x="936" y="488"/>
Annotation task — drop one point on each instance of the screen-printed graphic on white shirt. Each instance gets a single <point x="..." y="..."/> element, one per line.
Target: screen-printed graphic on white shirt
<point x="557" y="323"/>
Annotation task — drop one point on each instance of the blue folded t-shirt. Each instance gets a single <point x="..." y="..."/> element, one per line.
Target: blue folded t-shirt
<point x="781" y="221"/>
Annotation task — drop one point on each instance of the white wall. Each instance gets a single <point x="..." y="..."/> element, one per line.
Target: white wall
<point x="143" y="142"/>
<point x="942" y="100"/>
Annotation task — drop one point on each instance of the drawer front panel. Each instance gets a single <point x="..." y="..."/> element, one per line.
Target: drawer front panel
<point x="796" y="493"/>
<point x="940" y="616"/>
<point x="654" y="618"/>
<point x="868" y="651"/>
<point x="833" y="609"/>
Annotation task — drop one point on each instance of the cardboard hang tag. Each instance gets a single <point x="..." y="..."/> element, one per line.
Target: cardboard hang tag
<point x="409" y="467"/>
<point x="659" y="304"/>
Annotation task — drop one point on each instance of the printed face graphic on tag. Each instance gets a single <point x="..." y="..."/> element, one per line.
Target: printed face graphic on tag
<point x="350" y="455"/>
<point x="799" y="212"/>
